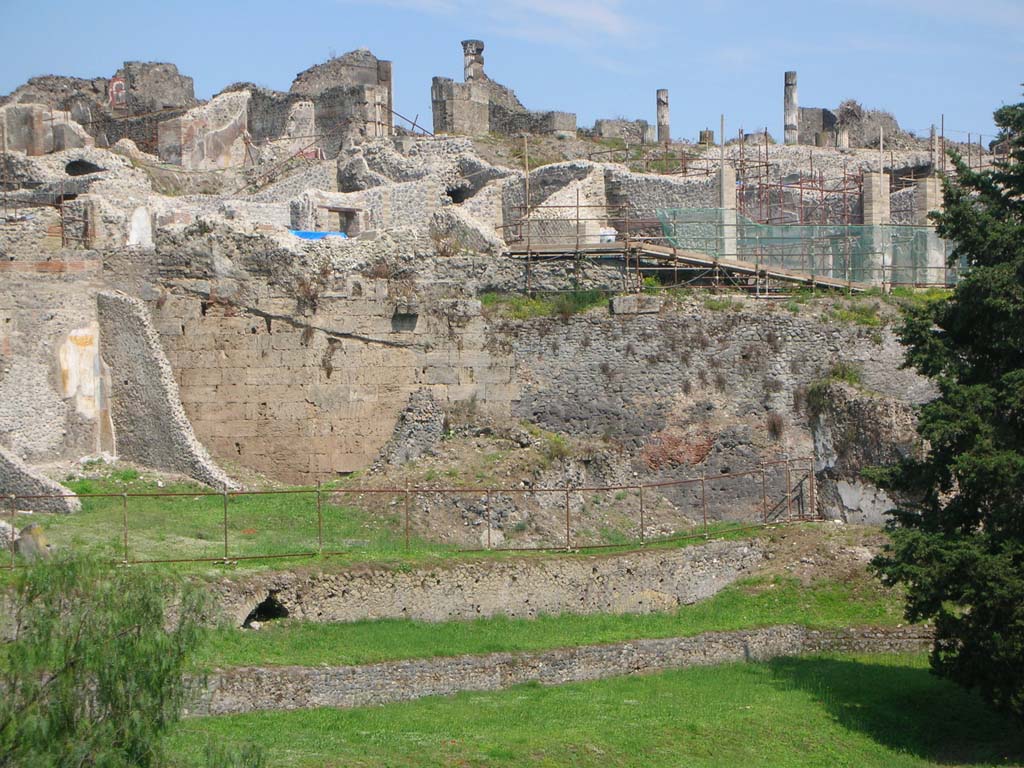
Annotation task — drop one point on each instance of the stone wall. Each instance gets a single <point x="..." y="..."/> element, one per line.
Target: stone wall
<point x="51" y="398"/>
<point x="16" y="478"/>
<point x="691" y="389"/>
<point x="479" y="105"/>
<point x="630" y="131"/>
<point x="250" y="689"/>
<point x="207" y="137"/>
<point x="144" y="395"/>
<point x="352" y="94"/>
<point x="635" y="582"/>
<point x="852" y="430"/>
<point x="302" y="393"/>
<point x="151" y="92"/>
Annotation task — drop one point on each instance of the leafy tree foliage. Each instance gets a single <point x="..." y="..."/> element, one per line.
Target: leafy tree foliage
<point x="958" y="544"/>
<point x="93" y="669"/>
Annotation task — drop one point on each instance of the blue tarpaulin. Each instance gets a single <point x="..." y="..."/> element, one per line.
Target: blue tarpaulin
<point x="305" y="235"/>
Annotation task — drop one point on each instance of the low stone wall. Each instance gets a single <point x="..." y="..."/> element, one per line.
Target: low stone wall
<point x="249" y="689"/>
<point x="635" y="582"/>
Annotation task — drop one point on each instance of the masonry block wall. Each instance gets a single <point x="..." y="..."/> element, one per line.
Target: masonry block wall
<point x="304" y="397"/>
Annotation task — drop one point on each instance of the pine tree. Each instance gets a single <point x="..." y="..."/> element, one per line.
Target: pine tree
<point x="957" y="545"/>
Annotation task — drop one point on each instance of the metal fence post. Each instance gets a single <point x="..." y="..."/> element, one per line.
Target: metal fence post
<point x="789" y="493"/>
<point x="225" y="497"/>
<point x="764" y="495"/>
<point x="568" y="541"/>
<point x="811" y="491"/>
<point x="124" y="520"/>
<point x="406" y="518"/>
<point x="319" y="521"/>
<point x="487" y="511"/>
<point x="642" y="535"/>
<point x="704" y="502"/>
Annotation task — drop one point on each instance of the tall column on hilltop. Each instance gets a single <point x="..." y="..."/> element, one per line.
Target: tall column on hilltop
<point x="791" y="110"/>
<point x="473" y="59"/>
<point x="664" y="131"/>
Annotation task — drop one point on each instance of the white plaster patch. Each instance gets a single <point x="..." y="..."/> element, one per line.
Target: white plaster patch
<point x="863" y="503"/>
<point x="140" y="228"/>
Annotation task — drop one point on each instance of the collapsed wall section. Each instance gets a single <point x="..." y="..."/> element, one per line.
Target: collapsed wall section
<point x="18" y="479"/>
<point x="149" y="421"/>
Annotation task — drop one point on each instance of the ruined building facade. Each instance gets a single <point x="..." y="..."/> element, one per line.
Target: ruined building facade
<point x="478" y="105"/>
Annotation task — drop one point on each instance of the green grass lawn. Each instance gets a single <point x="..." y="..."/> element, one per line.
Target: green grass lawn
<point x="811" y="711"/>
<point x="745" y="605"/>
<point x="191" y="525"/>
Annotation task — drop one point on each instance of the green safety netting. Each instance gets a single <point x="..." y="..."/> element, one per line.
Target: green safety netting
<point x="887" y="253"/>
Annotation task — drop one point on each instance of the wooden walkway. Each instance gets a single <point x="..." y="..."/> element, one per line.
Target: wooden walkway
<point x="667" y="255"/>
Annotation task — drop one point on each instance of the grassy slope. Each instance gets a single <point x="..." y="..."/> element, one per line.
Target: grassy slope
<point x="360" y="528"/>
<point x="812" y="711"/>
<point x="752" y="603"/>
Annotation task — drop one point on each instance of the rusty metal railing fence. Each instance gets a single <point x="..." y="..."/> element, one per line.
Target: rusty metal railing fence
<point x="215" y="528"/>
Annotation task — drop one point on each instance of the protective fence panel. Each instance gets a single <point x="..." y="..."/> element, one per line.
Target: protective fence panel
<point x="886" y="253"/>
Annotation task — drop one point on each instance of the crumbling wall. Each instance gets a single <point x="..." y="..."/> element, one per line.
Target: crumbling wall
<point x="630" y="131"/>
<point x="352" y="95"/>
<point x="207" y="137"/>
<point x="129" y="105"/>
<point x="854" y="429"/>
<point x="479" y="105"/>
<point x="149" y="422"/>
<point x="36" y="129"/>
<point x="18" y="479"/>
<point x="51" y="402"/>
<point x="694" y="390"/>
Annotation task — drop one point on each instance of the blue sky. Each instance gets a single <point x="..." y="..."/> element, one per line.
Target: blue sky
<point x="598" y="58"/>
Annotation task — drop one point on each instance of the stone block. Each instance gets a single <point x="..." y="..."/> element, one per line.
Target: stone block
<point x="636" y="304"/>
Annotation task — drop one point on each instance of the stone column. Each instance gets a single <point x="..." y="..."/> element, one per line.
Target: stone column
<point x="473" y="59"/>
<point x="928" y="198"/>
<point x="791" y="110"/>
<point x="664" y="131"/>
<point x="843" y="137"/>
<point x="876" y="266"/>
<point x="876" y="198"/>
<point x="727" y="203"/>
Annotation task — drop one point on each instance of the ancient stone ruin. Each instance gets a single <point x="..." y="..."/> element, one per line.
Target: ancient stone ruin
<point x="299" y="285"/>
